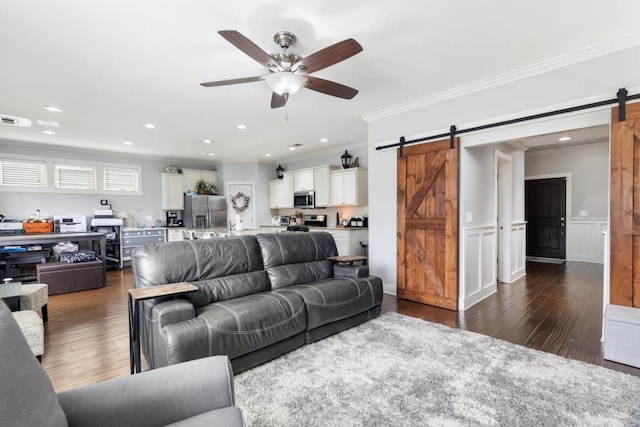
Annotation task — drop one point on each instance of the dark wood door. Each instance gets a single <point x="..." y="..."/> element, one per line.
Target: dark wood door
<point x="427" y="255"/>
<point x="545" y="213"/>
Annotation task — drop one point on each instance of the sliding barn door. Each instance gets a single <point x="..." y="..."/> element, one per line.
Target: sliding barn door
<point x="427" y="264"/>
<point x="625" y="208"/>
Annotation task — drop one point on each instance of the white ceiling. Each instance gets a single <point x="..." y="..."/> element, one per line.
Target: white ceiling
<point x="115" y="65"/>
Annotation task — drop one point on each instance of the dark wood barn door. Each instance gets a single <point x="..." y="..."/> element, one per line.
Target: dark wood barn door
<point x="545" y="213"/>
<point x="427" y="264"/>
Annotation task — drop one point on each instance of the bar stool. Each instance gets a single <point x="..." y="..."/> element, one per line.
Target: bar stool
<point x="364" y="250"/>
<point x="34" y="297"/>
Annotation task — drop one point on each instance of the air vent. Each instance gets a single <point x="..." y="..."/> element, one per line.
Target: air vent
<point x="15" y="121"/>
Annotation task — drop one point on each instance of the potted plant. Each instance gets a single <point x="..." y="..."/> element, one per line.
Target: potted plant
<point x="298" y="215"/>
<point x="204" y="187"/>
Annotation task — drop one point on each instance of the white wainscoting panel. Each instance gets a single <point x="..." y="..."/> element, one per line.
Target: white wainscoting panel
<point x="479" y="264"/>
<point x="585" y="241"/>
<point x="518" y="250"/>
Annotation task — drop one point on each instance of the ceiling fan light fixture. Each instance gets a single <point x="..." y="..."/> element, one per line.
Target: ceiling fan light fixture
<point x="285" y="82"/>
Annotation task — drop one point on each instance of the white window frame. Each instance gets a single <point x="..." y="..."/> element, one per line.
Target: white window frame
<point x="68" y="166"/>
<point x="50" y="184"/>
<point x="23" y="188"/>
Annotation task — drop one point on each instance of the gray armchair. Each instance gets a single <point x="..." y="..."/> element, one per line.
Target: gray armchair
<point x="199" y="392"/>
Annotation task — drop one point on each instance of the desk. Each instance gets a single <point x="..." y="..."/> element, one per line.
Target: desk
<point x="138" y="295"/>
<point x="53" y="238"/>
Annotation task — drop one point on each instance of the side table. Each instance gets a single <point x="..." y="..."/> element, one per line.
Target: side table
<point x="10" y="293"/>
<point x="138" y="295"/>
<point x="348" y="258"/>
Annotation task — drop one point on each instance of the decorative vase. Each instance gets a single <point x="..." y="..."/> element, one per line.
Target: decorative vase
<point x="238" y="223"/>
<point x="299" y="221"/>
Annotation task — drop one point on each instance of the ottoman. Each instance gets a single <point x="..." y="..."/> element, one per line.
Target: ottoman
<point x="31" y="326"/>
<point x="35" y="297"/>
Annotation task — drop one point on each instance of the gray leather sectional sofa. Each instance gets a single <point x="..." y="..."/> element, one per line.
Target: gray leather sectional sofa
<point x="259" y="297"/>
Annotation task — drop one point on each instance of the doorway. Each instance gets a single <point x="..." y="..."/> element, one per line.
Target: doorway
<point x="546" y="213"/>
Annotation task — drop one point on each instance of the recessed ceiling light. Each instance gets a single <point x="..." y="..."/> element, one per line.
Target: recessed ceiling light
<point x="128" y="143"/>
<point x="207" y="141"/>
<point x="268" y="155"/>
<point x="48" y="123"/>
<point x="324" y="140"/>
<point x="241" y="127"/>
<point x="53" y="109"/>
<point x="149" y="125"/>
<point x="49" y="132"/>
<point x="564" y="138"/>
<point x="292" y="148"/>
<point x="210" y="154"/>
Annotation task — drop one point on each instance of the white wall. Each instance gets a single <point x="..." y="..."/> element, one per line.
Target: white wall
<point x="21" y="205"/>
<point x="594" y="79"/>
<point x="589" y="169"/>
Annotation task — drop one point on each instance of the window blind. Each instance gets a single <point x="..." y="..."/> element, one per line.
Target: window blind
<point x="23" y="173"/>
<point x="120" y="179"/>
<point x="75" y="177"/>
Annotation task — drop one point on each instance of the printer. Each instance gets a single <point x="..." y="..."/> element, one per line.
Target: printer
<point x="69" y="223"/>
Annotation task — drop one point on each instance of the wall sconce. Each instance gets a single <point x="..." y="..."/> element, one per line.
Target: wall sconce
<point x="346" y="160"/>
<point x="279" y="171"/>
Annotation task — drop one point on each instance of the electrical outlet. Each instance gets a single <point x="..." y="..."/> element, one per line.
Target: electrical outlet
<point x="584" y="213"/>
<point x="149" y="218"/>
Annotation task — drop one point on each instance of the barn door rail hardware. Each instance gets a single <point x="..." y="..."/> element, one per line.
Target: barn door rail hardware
<point x="621" y="99"/>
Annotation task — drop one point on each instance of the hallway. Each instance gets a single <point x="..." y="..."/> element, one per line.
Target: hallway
<point x="556" y="308"/>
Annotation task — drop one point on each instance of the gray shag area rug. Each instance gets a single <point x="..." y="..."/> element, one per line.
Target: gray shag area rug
<point x="401" y="371"/>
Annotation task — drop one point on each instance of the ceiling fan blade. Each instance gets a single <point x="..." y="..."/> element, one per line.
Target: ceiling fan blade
<point x="232" y="81"/>
<point x="329" y="56"/>
<point x="277" y="101"/>
<point x="330" y="88"/>
<point x="248" y="47"/>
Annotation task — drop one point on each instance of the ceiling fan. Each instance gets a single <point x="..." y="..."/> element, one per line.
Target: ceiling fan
<point x="289" y="72"/>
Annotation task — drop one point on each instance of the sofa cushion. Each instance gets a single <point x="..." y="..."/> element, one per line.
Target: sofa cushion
<point x="246" y="324"/>
<point x="337" y="298"/>
<point x="297" y="258"/>
<point x="228" y="287"/>
<point x="194" y="260"/>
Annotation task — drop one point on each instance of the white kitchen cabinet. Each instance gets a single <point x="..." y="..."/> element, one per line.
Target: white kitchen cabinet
<point x="172" y="192"/>
<point x="303" y="180"/>
<point x="322" y="185"/>
<point x="281" y="192"/>
<point x="349" y="187"/>
<point x="347" y="239"/>
<point x="191" y="176"/>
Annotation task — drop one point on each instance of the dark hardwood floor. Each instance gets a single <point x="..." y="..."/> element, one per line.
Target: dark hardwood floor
<point x="555" y="308"/>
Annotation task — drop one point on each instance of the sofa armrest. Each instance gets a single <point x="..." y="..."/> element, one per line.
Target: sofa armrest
<point x="153" y="398"/>
<point x="342" y="270"/>
<point x="168" y="311"/>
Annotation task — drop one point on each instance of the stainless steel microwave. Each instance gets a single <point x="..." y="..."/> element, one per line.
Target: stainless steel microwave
<point x="304" y="199"/>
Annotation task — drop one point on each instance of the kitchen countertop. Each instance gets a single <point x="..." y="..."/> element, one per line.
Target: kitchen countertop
<point x="317" y="228"/>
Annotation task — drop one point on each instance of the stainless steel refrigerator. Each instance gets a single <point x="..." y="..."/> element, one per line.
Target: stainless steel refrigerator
<point x="205" y="212"/>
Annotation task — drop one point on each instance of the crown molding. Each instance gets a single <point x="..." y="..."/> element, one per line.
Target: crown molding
<point x="575" y="57"/>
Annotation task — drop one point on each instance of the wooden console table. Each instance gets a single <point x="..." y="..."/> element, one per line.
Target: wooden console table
<point x="53" y="238"/>
<point x="136" y="296"/>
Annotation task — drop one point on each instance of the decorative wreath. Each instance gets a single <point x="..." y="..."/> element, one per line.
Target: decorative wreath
<point x="240" y="202"/>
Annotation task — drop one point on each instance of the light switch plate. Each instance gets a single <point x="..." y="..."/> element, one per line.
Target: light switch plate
<point x="469" y="217"/>
<point x="584" y="213"/>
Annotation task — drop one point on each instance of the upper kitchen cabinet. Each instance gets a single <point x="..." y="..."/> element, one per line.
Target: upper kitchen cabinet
<point x="349" y="187"/>
<point x="172" y="192"/>
<point x="303" y="180"/>
<point x="322" y="185"/>
<point x="281" y="192"/>
<point x="191" y="176"/>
